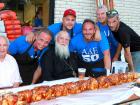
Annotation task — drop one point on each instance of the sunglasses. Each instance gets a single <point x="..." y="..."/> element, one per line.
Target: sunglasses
<point x="111" y="13"/>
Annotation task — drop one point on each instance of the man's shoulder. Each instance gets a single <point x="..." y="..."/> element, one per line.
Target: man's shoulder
<point x="20" y="39"/>
<point x="100" y="25"/>
<point x="78" y="36"/>
<point x="77" y="27"/>
<point x="10" y="58"/>
<point x="124" y="27"/>
<point x="78" y="24"/>
<point x="18" y="45"/>
<point x="55" y="26"/>
<point x="76" y="40"/>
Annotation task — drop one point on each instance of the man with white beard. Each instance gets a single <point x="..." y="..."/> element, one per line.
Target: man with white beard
<point x="58" y="62"/>
<point x="61" y="50"/>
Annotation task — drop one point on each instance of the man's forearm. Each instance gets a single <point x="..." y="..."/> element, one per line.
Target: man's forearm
<point x="118" y="51"/>
<point x="128" y="58"/>
<point x="107" y="60"/>
<point x="36" y="75"/>
<point x="16" y="84"/>
<point x="30" y="37"/>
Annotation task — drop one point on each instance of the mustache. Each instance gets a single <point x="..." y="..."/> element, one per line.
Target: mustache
<point x="90" y="34"/>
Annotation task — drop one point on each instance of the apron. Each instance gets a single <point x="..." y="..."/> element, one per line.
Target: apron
<point x="90" y="66"/>
<point x="27" y="66"/>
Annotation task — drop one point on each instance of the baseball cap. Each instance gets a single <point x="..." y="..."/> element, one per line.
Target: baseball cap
<point x="112" y="13"/>
<point x="69" y="12"/>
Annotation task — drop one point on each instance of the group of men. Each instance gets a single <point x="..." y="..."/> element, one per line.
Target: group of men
<point x="58" y="51"/>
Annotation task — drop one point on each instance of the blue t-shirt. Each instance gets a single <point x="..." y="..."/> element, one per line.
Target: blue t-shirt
<point x="57" y="27"/>
<point x="89" y="52"/>
<point x="38" y="22"/>
<point x="20" y="45"/>
<point x="112" y="41"/>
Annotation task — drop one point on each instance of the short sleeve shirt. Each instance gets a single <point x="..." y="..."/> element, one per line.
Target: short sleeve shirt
<point x="127" y="37"/>
<point x="112" y="41"/>
<point x="89" y="51"/>
<point x="20" y="45"/>
<point x="57" y="27"/>
<point x="9" y="68"/>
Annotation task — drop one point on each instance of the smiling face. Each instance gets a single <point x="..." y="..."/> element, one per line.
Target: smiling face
<point x="113" y="23"/>
<point x="42" y="41"/>
<point x="3" y="47"/>
<point x="68" y="22"/>
<point x="88" y="31"/>
<point x="101" y="15"/>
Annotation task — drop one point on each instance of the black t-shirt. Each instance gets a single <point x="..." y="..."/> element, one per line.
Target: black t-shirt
<point x="127" y="37"/>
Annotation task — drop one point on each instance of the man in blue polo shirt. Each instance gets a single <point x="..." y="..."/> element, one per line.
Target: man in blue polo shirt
<point x="28" y="55"/>
<point x="102" y="24"/>
<point x="68" y="24"/>
<point x="93" y="53"/>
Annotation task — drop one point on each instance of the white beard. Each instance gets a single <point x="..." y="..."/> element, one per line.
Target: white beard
<point x="62" y="51"/>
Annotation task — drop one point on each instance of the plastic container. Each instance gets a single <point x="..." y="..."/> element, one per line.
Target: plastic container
<point x="119" y="67"/>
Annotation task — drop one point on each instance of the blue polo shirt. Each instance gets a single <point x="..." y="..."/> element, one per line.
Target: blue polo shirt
<point x="112" y="41"/>
<point x="20" y="45"/>
<point x="57" y="27"/>
<point x="89" y="52"/>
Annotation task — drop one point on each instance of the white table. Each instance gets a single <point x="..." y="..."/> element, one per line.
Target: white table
<point x="107" y="96"/>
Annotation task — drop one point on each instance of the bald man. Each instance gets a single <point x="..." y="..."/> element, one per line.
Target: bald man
<point x="102" y="24"/>
<point x="8" y="66"/>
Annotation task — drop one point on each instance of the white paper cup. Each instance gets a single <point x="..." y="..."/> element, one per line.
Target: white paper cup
<point x="81" y="73"/>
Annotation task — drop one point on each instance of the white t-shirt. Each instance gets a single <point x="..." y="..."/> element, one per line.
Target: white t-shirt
<point x="9" y="72"/>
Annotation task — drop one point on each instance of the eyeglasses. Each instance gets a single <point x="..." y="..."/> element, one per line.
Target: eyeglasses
<point x="111" y="13"/>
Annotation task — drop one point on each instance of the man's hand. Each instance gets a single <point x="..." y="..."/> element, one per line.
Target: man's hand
<point x="108" y="72"/>
<point x="97" y="36"/>
<point x="37" y="75"/>
<point x="115" y="58"/>
<point x="30" y="37"/>
<point x="107" y="62"/>
<point x="16" y="84"/>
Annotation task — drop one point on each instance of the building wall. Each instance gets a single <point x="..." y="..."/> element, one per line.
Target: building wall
<point x="45" y="17"/>
<point x="83" y="8"/>
<point x="29" y="12"/>
<point x="129" y="10"/>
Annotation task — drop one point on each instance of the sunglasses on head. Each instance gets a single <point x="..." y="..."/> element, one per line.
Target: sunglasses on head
<point x="111" y="13"/>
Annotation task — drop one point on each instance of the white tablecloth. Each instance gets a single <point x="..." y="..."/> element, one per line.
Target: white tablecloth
<point x="107" y="96"/>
